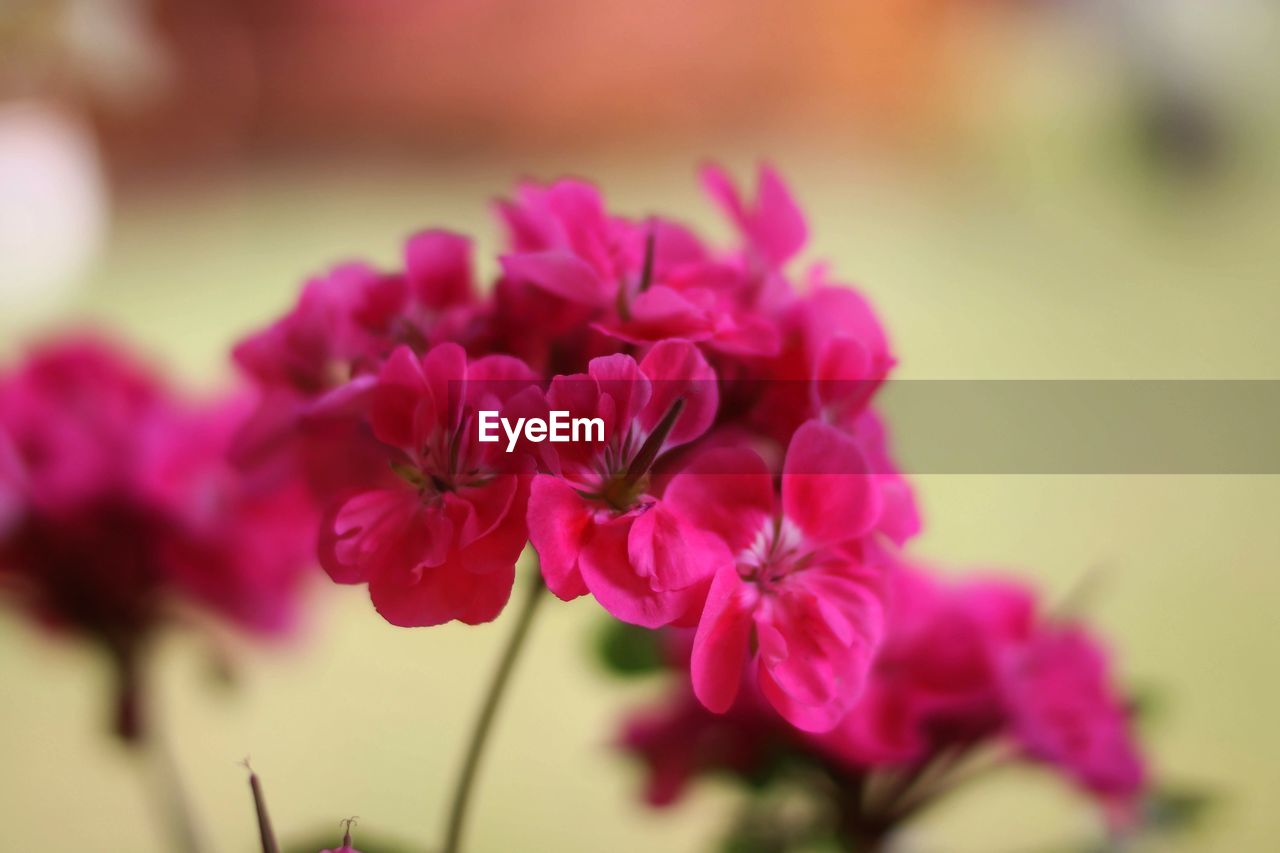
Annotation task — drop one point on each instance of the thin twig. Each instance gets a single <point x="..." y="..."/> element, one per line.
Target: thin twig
<point x="267" y="834"/>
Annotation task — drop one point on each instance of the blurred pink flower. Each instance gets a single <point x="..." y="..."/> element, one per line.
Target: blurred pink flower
<point x="120" y="507"/>
<point x="935" y="683"/>
<point x="1065" y="710"/>
<point x="772" y="226"/>
<point x="678" y="740"/>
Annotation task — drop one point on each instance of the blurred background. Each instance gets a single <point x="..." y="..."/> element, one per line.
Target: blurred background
<point x="1025" y="188"/>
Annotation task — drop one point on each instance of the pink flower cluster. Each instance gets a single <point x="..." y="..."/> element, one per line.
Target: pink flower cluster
<point x="119" y="511"/>
<point x="742" y="485"/>
<point x="966" y="667"/>
<point x="742" y="493"/>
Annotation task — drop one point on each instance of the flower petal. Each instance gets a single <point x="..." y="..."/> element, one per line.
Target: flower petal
<point x="678" y="370"/>
<point x="558" y="528"/>
<point x="606" y="568"/>
<point x="826" y="487"/>
<point x="728" y="492"/>
<point x="672" y="554"/>
<point x="720" y="646"/>
<point x="559" y="273"/>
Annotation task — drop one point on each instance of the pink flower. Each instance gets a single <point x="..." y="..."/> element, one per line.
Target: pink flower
<point x="441" y="541"/>
<point x="597" y="522"/>
<point x="679" y="740"/>
<point x="802" y="597"/>
<point x="772" y="226"/>
<point x="120" y="508"/>
<point x="343" y="327"/>
<point x="935" y="683"/>
<point x="346" y="322"/>
<point x="242" y="544"/>
<point x="637" y="282"/>
<point x="565" y="243"/>
<point x="1065" y="711"/>
<point x="833" y="359"/>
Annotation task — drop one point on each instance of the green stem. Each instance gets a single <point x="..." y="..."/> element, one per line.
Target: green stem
<point x="170" y="794"/>
<point x="484" y="723"/>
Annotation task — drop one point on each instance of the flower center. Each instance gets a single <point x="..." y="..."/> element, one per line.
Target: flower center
<point x="625" y="476"/>
<point x="777" y="550"/>
<point x="444" y="464"/>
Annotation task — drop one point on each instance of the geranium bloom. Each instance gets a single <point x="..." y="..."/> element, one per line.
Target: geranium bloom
<point x="964" y="665"/>
<point x="441" y="541"/>
<point x="119" y="509"/>
<point x="345" y="324"/>
<point x="834" y="356"/>
<point x="679" y="740"/>
<point x="598" y="276"/>
<point x="802" y="595"/>
<point x="936" y="682"/>
<point x="636" y="322"/>
<point x="597" y="522"/>
<point x="1064" y="710"/>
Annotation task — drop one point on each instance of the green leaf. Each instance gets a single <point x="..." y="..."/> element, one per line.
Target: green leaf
<point x="628" y="650"/>
<point x="1170" y="810"/>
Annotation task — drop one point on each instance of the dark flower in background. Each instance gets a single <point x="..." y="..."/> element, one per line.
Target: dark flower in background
<point x="972" y="675"/>
<point x="120" y="514"/>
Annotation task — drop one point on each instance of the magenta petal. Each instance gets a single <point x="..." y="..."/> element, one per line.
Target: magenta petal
<point x="659" y="313"/>
<point x="438" y="594"/>
<point x="818" y="640"/>
<point x="499" y="376"/>
<point x="678" y="370"/>
<point x="470" y="584"/>
<point x="779" y="229"/>
<point x="826" y="487"/>
<point x="720" y="646"/>
<point x="608" y="573"/>
<point x="728" y="492"/>
<point x="672" y="554"/>
<point x="620" y="379"/>
<point x="558" y="527"/>
<point x="774" y="226"/>
<point x="844" y="376"/>
<point x="744" y="334"/>
<point x="720" y="187"/>
<point x="400" y="402"/>
<point x="438" y="265"/>
<point x="387" y="531"/>
<point x="806" y="718"/>
<point x="349" y="399"/>
<point x="559" y="273"/>
<point x="476" y="511"/>
<point x="444" y="369"/>
<point x="799" y="652"/>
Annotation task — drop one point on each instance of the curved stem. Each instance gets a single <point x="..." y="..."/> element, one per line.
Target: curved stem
<point x="170" y="795"/>
<point x="484" y="723"/>
<point x="156" y="762"/>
